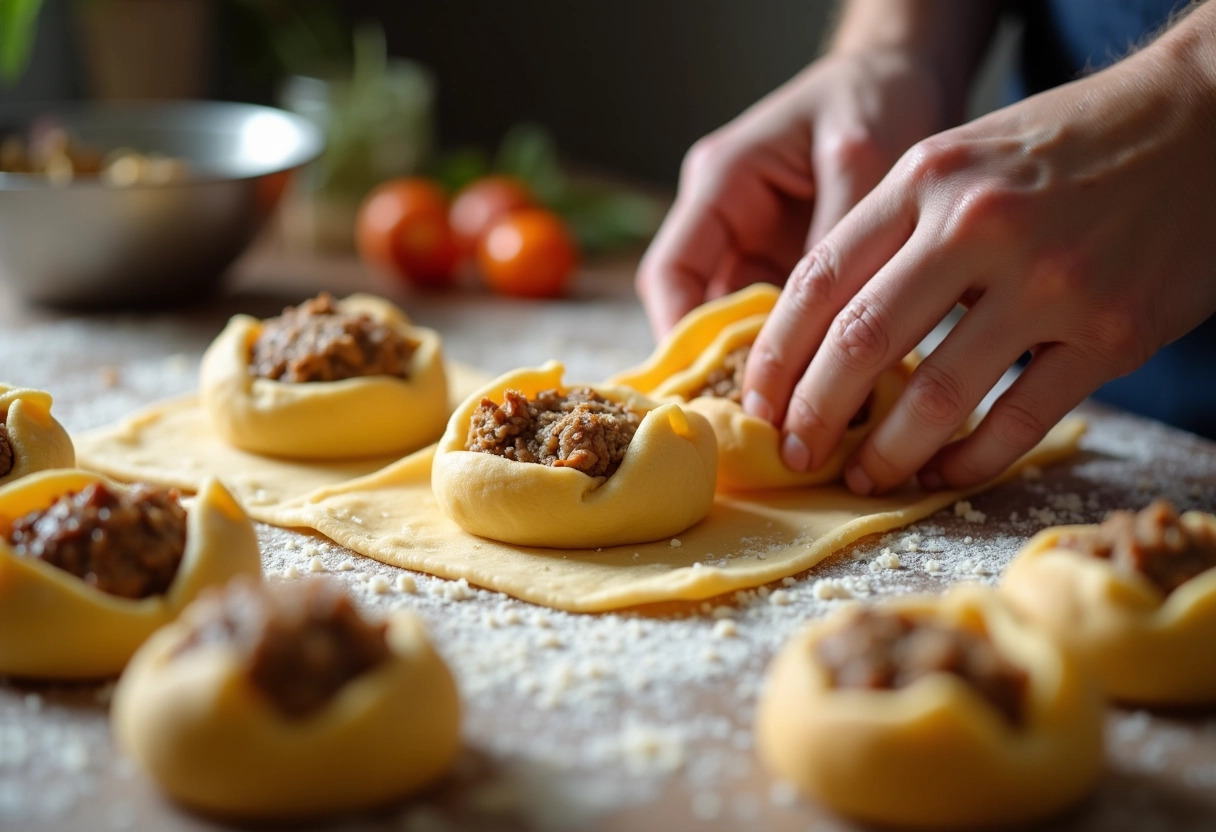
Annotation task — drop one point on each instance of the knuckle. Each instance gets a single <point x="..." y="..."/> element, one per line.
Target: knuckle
<point x="813" y="281"/>
<point x="859" y="336"/>
<point x="993" y="208"/>
<point x="934" y="159"/>
<point x="1118" y="333"/>
<point x="763" y="362"/>
<point x="854" y="150"/>
<point x="1016" y="426"/>
<point x="802" y="417"/>
<point x="880" y="465"/>
<point x="708" y="153"/>
<point x="937" y="398"/>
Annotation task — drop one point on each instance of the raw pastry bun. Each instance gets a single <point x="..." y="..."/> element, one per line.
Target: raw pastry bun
<point x="749" y="455"/>
<point x="664" y="484"/>
<point x="53" y="625"/>
<point x="354" y="417"/>
<point x="1145" y="648"/>
<point x="39" y="442"/>
<point x="935" y="754"/>
<point x="200" y="727"/>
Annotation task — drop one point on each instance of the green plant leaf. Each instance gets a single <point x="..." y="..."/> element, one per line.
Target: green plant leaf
<point x="528" y="153"/>
<point x="457" y="168"/>
<point x="18" y="29"/>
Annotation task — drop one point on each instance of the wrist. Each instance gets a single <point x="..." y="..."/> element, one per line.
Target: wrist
<point x="1183" y="63"/>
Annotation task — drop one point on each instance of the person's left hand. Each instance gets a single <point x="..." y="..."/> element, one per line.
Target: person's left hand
<point x="1077" y="225"/>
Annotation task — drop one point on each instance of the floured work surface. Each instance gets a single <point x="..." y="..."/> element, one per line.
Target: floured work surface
<point x="388" y="512"/>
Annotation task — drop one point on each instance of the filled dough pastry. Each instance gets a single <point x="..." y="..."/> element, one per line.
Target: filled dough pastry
<point x="702" y="361"/>
<point x="326" y="380"/>
<point x="1135" y="597"/>
<point x="935" y="713"/>
<point x="89" y="568"/>
<point x="279" y="702"/>
<point x="30" y="437"/>
<point x="530" y="461"/>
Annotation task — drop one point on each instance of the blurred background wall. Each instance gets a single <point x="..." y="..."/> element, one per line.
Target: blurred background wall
<point x="624" y="86"/>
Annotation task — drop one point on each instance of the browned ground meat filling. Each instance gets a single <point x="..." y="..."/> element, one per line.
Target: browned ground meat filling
<point x="316" y="342"/>
<point x="726" y="382"/>
<point x="125" y="542"/>
<point x="7" y="459"/>
<point x="299" y="642"/>
<point x="1153" y="542"/>
<point x="882" y="650"/>
<point x="580" y="429"/>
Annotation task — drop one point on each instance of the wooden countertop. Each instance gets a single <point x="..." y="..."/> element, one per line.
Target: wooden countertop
<point x="611" y="722"/>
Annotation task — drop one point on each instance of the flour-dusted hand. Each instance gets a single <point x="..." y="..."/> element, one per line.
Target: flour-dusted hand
<point x="1077" y="225"/>
<point x="754" y="194"/>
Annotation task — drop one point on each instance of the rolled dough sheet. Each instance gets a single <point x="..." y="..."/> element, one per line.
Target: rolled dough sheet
<point x="172" y="444"/>
<point x="392" y="516"/>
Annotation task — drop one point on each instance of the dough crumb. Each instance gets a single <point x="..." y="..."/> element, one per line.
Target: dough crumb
<point x="406" y="584"/>
<point x="968" y="540"/>
<point x="964" y="510"/>
<point x="726" y="628"/>
<point x="346" y="566"/>
<point x="675" y="543"/>
<point x="831" y="589"/>
<point x="291" y="572"/>
<point x="378" y="585"/>
<point x="780" y="598"/>
<point x="933" y="566"/>
<point x="787" y="582"/>
<point x="453" y="590"/>
<point x="723" y="612"/>
<point x="316" y="564"/>
<point x="550" y="640"/>
<point x="887" y="560"/>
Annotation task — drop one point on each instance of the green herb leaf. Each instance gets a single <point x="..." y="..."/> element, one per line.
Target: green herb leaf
<point x="18" y="29"/>
<point x="528" y="153"/>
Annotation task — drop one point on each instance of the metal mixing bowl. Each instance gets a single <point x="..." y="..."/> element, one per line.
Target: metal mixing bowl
<point x="91" y="244"/>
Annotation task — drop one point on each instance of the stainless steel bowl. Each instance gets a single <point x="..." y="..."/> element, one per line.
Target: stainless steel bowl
<point x="92" y="244"/>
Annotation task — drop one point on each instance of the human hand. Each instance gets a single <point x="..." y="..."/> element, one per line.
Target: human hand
<point x="1076" y="225"/>
<point x="756" y="193"/>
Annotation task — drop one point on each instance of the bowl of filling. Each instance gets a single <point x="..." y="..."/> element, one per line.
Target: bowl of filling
<point x="138" y="204"/>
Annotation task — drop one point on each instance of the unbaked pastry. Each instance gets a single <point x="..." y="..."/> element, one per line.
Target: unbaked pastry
<point x="1146" y="646"/>
<point x="30" y="437"/>
<point x="54" y="625"/>
<point x="664" y="484"/>
<point x="353" y="417"/>
<point x="749" y="455"/>
<point x="194" y="717"/>
<point x="935" y="754"/>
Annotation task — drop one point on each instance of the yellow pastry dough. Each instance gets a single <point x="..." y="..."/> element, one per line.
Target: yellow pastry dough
<point x="355" y="417"/>
<point x="1145" y="648"/>
<point x="54" y="625"/>
<point x="38" y="441"/>
<point x="664" y="485"/>
<point x="748" y="448"/>
<point x="196" y="723"/>
<point x="935" y="754"/>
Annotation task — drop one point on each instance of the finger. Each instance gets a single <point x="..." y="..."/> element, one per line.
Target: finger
<point x="839" y="188"/>
<point x="815" y="292"/>
<point x="728" y="201"/>
<point x="1056" y="380"/>
<point x="941" y="394"/>
<point x="885" y="319"/>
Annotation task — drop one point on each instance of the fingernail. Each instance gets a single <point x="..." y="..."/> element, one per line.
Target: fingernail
<point x="932" y="481"/>
<point x="795" y="453"/>
<point x="756" y="405"/>
<point x="859" y="481"/>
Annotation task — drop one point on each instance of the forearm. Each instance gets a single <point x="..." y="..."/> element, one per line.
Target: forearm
<point x="949" y="37"/>
<point x="1183" y="60"/>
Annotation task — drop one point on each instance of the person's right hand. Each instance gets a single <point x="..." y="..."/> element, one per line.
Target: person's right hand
<point x="755" y="194"/>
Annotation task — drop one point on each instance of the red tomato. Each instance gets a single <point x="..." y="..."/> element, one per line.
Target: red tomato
<point x="482" y="203"/>
<point x="403" y="227"/>
<point x="528" y="253"/>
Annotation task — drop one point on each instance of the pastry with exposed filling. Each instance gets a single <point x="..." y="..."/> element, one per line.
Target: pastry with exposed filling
<point x="533" y="461"/>
<point x="1134" y="597"/>
<point x="937" y="713"/>
<point x="30" y="437"/>
<point x="328" y="379"/>
<point x="279" y="702"/>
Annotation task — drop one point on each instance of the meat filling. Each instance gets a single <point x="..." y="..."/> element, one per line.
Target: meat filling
<point x="7" y="457"/>
<point x="300" y="643"/>
<point x="316" y="342"/>
<point x="885" y="651"/>
<point x="726" y="382"/>
<point x="124" y="542"/>
<point x="580" y="429"/>
<point x="1154" y="542"/>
